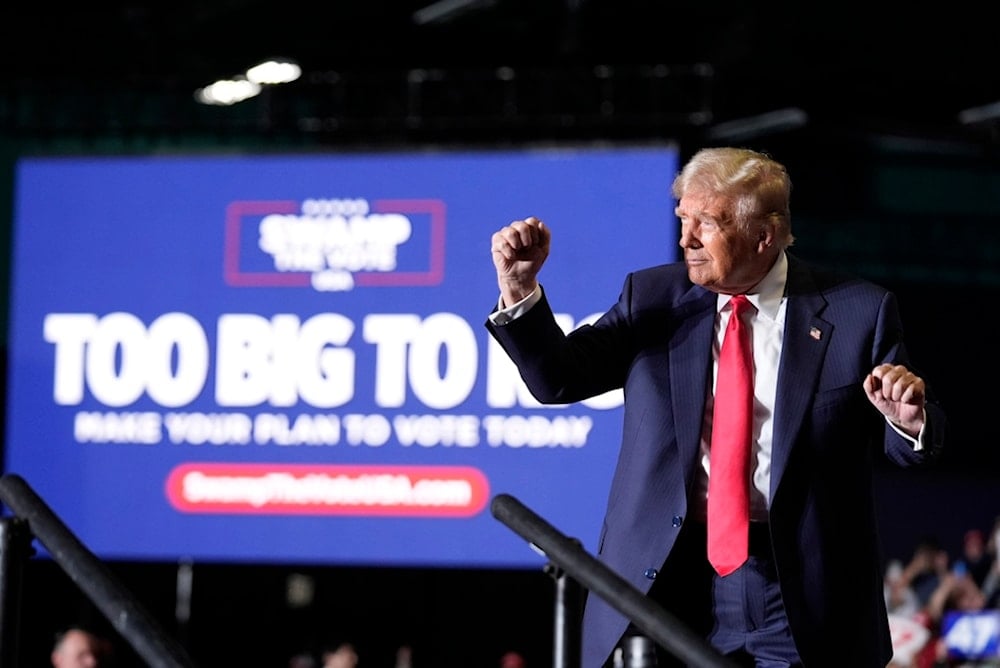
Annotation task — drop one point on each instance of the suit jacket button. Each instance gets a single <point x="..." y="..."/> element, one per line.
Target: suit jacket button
<point x="676" y="521"/>
<point x="651" y="573"/>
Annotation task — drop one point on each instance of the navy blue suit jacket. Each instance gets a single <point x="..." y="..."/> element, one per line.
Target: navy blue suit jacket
<point x="656" y="344"/>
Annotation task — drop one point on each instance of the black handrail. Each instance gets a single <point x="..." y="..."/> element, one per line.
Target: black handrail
<point x="642" y="611"/>
<point x="15" y="549"/>
<point x="93" y="577"/>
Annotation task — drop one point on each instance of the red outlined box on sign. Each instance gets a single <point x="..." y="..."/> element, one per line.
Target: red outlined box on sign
<point x="237" y="211"/>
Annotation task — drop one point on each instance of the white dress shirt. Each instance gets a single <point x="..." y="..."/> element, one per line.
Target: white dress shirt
<point x="767" y="326"/>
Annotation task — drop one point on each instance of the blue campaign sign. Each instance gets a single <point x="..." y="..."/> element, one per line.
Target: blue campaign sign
<point x="282" y="358"/>
<point x="972" y="634"/>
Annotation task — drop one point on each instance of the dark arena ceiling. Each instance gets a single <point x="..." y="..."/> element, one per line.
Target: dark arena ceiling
<point x="488" y="70"/>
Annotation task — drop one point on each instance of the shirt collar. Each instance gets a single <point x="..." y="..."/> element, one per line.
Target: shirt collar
<point x="765" y="296"/>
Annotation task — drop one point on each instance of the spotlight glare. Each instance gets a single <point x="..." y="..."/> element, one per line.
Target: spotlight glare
<point x="227" y="92"/>
<point x="276" y="71"/>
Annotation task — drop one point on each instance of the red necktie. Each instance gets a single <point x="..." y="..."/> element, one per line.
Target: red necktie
<point x="729" y="460"/>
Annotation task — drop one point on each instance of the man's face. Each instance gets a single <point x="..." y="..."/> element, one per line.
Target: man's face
<point x="719" y="256"/>
<point x="343" y="657"/>
<point x="77" y="650"/>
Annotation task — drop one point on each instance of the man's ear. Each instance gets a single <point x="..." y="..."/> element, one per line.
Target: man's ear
<point x="765" y="238"/>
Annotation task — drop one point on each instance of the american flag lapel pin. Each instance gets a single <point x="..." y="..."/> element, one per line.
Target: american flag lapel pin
<point x="815" y="333"/>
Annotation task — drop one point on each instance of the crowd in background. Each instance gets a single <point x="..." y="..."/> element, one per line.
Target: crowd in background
<point x="345" y="655"/>
<point x="944" y="608"/>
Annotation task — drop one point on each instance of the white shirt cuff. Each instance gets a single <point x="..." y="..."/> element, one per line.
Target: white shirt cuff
<point x="504" y="315"/>
<point x="918" y="442"/>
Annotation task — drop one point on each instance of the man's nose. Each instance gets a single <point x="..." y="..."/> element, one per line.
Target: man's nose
<point x="688" y="238"/>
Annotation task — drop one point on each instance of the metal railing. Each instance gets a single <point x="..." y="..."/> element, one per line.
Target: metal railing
<point x="570" y="557"/>
<point x="33" y="517"/>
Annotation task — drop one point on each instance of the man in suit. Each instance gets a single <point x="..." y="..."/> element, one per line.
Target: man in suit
<point x="832" y="390"/>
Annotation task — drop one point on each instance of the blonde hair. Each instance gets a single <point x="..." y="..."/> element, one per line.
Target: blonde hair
<point x="758" y="186"/>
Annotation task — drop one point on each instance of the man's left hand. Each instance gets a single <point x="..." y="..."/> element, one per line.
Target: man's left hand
<point x="899" y="394"/>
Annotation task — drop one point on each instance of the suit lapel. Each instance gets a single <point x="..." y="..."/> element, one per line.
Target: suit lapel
<point x="806" y="339"/>
<point x="690" y="363"/>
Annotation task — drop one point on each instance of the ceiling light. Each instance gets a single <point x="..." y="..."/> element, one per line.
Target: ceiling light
<point x="227" y="91"/>
<point x="274" y="71"/>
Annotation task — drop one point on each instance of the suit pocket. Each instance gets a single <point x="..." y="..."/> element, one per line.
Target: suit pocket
<point x="837" y="396"/>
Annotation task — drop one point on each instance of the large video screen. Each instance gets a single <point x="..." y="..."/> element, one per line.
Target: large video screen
<point x="282" y="358"/>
